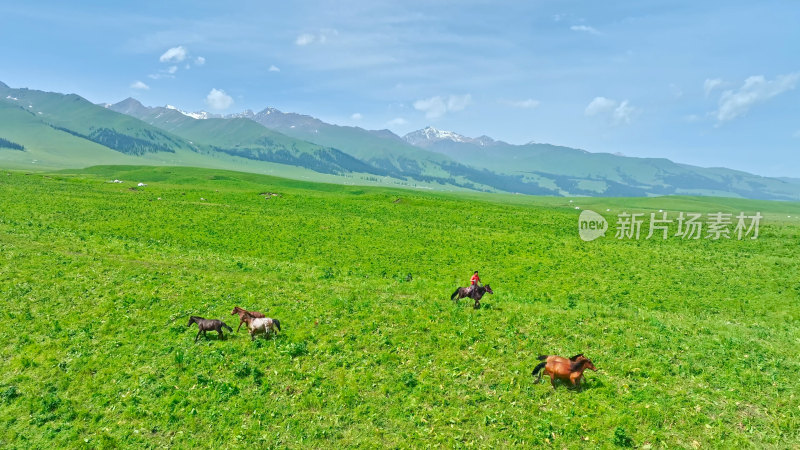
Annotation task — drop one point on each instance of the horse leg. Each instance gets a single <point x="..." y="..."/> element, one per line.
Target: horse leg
<point x="240" y="324"/>
<point x="198" y="335"/>
<point x="221" y="335"/>
<point x="552" y="380"/>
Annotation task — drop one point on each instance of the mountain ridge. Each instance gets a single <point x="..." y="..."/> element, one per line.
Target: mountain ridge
<point x="439" y="158"/>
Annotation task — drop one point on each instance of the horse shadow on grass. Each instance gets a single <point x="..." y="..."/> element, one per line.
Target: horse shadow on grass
<point x="491" y="307"/>
<point x="594" y="383"/>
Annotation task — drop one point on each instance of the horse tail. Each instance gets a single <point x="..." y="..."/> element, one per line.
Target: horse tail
<point x="542" y="357"/>
<point x="539" y="367"/>
<point x="277" y="324"/>
<point x="453" y="297"/>
<point x="226" y="326"/>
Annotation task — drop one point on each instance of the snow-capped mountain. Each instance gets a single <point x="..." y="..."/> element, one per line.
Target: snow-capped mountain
<point x="429" y="136"/>
<point x="200" y="115"/>
<point x="278" y="120"/>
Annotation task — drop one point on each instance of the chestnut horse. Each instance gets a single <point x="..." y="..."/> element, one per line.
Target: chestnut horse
<point x="561" y="368"/>
<point x="242" y="313"/>
<point x="207" y="325"/>
<point x="475" y="294"/>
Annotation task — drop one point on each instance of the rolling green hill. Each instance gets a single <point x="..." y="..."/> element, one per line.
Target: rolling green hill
<point x="247" y="139"/>
<point x="58" y="130"/>
<point x="390" y="157"/>
<point x="61" y="131"/>
<point x="357" y="149"/>
<point x="77" y="116"/>
<point x="49" y="147"/>
<point x="381" y="148"/>
<point x="578" y="172"/>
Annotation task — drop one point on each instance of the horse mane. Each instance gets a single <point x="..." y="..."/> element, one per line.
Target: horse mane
<point x="578" y="365"/>
<point x="576" y="357"/>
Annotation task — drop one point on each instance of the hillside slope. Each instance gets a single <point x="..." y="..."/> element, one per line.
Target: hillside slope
<point x="579" y="172"/>
<point x="77" y="116"/>
<point x="247" y="139"/>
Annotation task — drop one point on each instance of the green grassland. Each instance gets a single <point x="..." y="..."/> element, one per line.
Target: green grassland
<point x="697" y="342"/>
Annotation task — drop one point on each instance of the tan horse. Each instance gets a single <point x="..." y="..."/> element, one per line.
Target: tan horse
<point x="242" y="313"/>
<point x="261" y="325"/>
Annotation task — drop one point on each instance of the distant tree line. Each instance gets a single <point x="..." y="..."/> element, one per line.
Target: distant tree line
<point x="127" y="144"/>
<point x="328" y="160"/>
<point x="5" y="143"/>
<point x="121" y="142"/>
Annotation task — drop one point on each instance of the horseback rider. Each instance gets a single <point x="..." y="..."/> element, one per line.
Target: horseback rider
<point x="475" y="282"/>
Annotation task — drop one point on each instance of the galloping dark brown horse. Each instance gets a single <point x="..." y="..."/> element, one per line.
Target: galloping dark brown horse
<point x="561" y="368"/>
<point x="208" y="324"/>
<point x="242" y="313"/>
<point x="475" y="294"/>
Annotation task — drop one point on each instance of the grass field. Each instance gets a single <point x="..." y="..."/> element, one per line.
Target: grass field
<point x="697" y="342"/>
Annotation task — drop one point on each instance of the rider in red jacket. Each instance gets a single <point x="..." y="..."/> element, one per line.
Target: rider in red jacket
<point x="475" y="281"/>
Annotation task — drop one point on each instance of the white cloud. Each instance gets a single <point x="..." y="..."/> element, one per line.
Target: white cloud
<point x="139" y="85"/>
<point x="357" y="116"/>
<point x="433" y="107"/>
<point x="618" y="112"/>
<point x="305" y="39"/>
<point x="438" y="106"/>
<point x="174" y="55"/>
<point x="711" y="84"/>
<point x="218" y="99"/>
<point x="321" y="37"/>
<point x="274" y="68"/>
<point x="397" y="121"/>
<point x="199" y="61"/>
<point x="172" y="69"/>
<point x="584" y="29"/>
<point x="526" y="104"/>
<point x="623" y="113"/>
<point x="756" y="89"/>
<point x="600" y="105"/>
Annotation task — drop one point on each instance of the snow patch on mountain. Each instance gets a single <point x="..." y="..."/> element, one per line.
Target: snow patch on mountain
<point x="430" y="135"/>
<point x="200" y="115"/>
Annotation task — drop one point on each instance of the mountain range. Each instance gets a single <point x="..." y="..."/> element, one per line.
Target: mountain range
<point x="53" y="130"/>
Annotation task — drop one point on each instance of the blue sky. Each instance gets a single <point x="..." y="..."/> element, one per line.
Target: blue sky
<point x="705" y="83"/>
